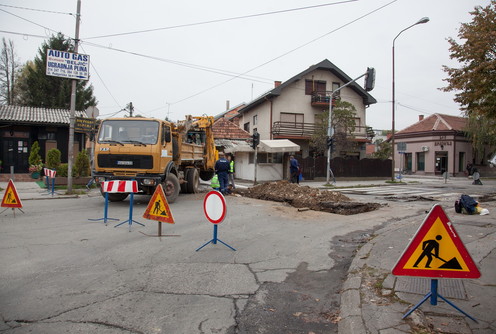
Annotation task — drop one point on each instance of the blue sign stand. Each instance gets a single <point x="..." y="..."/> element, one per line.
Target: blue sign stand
<point x="105" y="212"/>
<point x="215" y="239"/>
<point x="433" y="294"/>
<point x="130" y="220"/>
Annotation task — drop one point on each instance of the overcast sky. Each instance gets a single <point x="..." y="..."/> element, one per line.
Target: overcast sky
<point x="190" y="57"/>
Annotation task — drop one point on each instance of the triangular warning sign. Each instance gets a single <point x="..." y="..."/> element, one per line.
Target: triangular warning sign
<point x="158" y="207"/>
<point x="11" y="198"/>
<point x="436" y="251"/>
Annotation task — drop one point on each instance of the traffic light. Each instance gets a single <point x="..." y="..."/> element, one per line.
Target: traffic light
<point x="370" y="79"/>
<point x="256" y="140"/>
<point x="330" y="142"/>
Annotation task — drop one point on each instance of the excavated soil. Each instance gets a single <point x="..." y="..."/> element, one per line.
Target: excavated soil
<point x="307" y="197"/>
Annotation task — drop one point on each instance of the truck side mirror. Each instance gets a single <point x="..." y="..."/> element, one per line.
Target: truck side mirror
<point x="166" y="134"/>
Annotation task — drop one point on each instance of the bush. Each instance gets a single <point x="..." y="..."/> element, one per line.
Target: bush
<point x="82" y="164"/>
<point x="53" y="159"/>
<point x="34" y="156"/>
<point x="62" y="170"/>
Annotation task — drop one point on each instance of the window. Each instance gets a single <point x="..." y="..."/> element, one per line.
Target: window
<point x="312" y="86"/>
<point x="336" y="85"/>
<point x="420" y="161"/>
<point x="269" y="158"/>
<point x="246" y="127"/>
<point x="255" y="119"/>
<point x="292" y="118"/>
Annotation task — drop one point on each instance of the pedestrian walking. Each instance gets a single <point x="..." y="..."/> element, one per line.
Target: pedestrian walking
<point x="230" y="173"/>
<point x="221" y="169"/>
<point x="294" y="170"/>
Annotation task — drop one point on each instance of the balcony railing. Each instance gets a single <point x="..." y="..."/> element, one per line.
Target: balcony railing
<point x="306" y="130"/>
<point x="293" y="129"/>
<point x="322" y="99"/>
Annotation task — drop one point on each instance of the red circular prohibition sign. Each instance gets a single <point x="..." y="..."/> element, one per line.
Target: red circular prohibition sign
<point x="214" y="206"/>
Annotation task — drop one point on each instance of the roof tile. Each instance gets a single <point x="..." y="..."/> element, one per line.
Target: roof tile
<point x="437" y="122"/>
<point x="225" y="129"/>
<point x="25" y="114"/>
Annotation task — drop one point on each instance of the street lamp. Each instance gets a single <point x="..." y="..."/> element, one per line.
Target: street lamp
<point x="421" y="21"/>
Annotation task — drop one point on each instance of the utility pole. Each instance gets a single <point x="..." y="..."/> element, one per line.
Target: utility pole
<point x="369" y="85"/>
<point x="131" y="109"/>
<point x="72" y="117"/>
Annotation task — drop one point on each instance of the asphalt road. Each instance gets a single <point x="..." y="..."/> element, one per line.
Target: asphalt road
<point x="64" y="273"/>
<point x="61" y="272"/>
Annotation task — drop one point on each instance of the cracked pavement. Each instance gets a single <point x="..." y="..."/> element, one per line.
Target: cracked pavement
<point x="63" y="273"/>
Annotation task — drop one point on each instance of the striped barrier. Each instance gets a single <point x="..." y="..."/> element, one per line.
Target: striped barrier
<point x="50" y="174"/>
<point x="119" y="186"/>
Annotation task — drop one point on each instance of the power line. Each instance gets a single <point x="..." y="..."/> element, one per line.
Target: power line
<point x="21" y="34"/>
<point x="37" y="24"/>
<point x="223" y="20"/>
<point x="179" y="63"/>
<point x="290" y="51"/>
<point x="37" y="10"/>
<point x="103" y="82"/>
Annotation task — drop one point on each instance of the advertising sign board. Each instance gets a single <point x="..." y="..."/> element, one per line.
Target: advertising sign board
<point x="67" y="64"/>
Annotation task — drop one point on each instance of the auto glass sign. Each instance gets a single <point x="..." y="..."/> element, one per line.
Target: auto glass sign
<point x="67" y="64"/>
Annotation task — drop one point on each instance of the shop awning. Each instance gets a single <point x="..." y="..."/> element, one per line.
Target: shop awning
<point x="266" y="146"/>
<point x="278" y="145"/>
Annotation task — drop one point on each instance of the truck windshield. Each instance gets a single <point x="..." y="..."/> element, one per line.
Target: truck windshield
<point x="128" y="131"/>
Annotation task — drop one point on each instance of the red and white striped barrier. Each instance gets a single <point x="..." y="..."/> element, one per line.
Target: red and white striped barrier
<point x="120" y="186"/>
<point x="49" y="172"/>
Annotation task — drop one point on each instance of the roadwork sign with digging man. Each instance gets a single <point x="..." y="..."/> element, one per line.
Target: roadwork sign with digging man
<point x="436" y="251"/>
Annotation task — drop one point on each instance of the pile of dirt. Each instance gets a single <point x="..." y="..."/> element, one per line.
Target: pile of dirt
<point x="307" y="197"/>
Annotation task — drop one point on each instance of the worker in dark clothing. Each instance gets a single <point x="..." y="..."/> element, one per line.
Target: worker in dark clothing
<point x="221" y="169"/>
<point x="294" y="170"/>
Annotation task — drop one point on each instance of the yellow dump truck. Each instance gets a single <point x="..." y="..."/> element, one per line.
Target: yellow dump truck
<point x="153" y="152"/>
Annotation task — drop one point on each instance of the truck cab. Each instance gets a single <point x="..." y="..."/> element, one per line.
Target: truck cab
<point x="153" y="152"/>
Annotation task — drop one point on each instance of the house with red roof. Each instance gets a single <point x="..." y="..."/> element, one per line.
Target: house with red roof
<point x="434" y="145"/>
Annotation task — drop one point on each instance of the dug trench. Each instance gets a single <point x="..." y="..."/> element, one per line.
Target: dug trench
<point x="305" y="197"/>
<point x="307" y="301"/>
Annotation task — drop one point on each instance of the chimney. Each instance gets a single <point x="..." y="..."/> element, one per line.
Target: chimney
<point x="421" y="117"/>
<point x="228" y="104"/>
<point x="277" y="83"/>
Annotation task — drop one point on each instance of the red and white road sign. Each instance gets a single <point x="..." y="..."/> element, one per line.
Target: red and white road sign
<point x="214" y="206"/>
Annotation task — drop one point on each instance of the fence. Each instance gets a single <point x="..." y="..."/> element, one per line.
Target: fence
<point x="317" y="167"/>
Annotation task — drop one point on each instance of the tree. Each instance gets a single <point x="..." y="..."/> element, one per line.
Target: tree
<point x="475" y="80"/>
<point x="383" y="149"/>
<point x="40" y="90"/>
<point x="9" y="68"/>
<point x="343" y="122"/>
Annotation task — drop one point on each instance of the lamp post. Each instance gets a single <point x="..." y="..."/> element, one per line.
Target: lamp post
<point x="421" y="21"/>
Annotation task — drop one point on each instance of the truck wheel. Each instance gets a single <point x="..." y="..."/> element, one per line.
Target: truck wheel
<point x="184" y="184"/>
<point x="171" y="187"/>
<point x="115" y="197"/>
<point x="193" y="180"/>
<point x="207" y="175"/>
